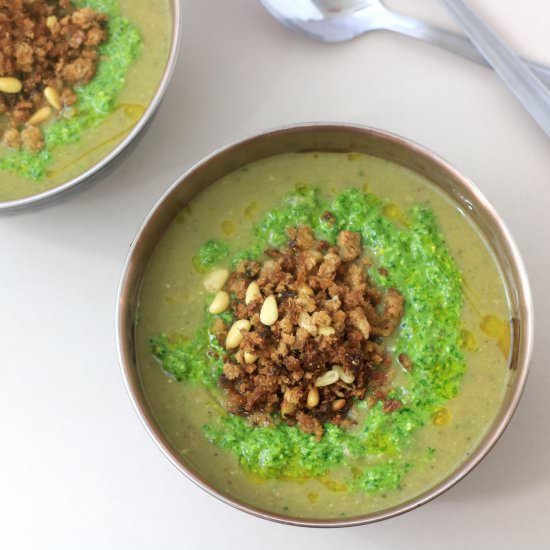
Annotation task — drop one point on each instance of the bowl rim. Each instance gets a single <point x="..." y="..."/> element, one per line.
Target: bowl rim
<point x="49" y="194"/>
<point x="464" y="468"/>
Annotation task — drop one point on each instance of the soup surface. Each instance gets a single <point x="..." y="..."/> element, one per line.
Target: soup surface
<point x="455" y="329"/>
<point x="132" y="64"/>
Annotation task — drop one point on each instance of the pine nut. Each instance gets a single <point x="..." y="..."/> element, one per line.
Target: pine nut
<point x="330" y="377"/>
<point x="40" y="116"/>
<point x="338" y="404"/>
<point x="269" y="312"/>
<point x="326" y="331"/>
<point x="252" y="292"/>
<point x="347" y="378"/>
<point x="52" y="97"/>
<point x="215" y="280"/>
<point x="312" y="398"/>
<point x="10" y="85"/>
<point x="250" y="358"/>
<point x="220" y="302"/>
<point x="235" y="336"/>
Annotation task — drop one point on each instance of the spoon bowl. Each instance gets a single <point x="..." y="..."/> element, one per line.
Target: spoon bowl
<point x="335" y="21"/>
<point x="330" y="20"/>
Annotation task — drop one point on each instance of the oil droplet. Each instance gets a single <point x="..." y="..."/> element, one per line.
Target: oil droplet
<point x="333" y="485"/>
<point x="180" y="218"/>
<point x="469" y="342"/>
<point x="290" y="478"/>
<point x="255" y="479"/>
<point x="177" y="337"/>
<point x="251" y="210"/>
<point x="354" y="156"/>
<point x="197" y="264"/>
<point x="313" y="497"/>
<point x="228" y="228"/>
<point x="499" y="330"/>
<point x="441" y="417"/>
<point x="393" y="212"/>
<point x="300" y="186"/>
<point x="52" y="173"/>
<point x="133" y="111"/>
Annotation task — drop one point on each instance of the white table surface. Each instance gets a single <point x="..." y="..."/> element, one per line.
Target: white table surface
<point x="77" y="469"/>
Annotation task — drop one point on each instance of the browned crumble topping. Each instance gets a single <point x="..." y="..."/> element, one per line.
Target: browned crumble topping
<point x="46" y="48"/>
<point x="305" y="339"/>
<point x="32" y="139"/>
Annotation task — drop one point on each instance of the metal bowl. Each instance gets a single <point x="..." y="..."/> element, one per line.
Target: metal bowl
<point x="341" y="138"/>
<point x="93" y="173"/>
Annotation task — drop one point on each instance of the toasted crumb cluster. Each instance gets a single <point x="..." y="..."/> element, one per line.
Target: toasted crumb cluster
<point x="46" y="48"/>
<point x="305" y="341"/>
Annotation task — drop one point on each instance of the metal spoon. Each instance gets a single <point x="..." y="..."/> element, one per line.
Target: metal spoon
<point x="527" y="88"/>
<point x="341" y="20"/>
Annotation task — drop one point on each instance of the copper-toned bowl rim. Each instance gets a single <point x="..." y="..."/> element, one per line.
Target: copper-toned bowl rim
<point x="461" y="189"/>
<point x="92" y="173"/>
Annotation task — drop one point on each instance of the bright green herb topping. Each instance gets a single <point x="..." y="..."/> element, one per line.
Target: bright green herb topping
<point x="210" y="254"/>
<point x="95" y="101"/>
<point x="415" y="256"/>
<point x="197" y="359"/>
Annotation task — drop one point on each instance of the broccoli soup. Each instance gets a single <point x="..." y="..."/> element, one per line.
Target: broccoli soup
<point x="73" y="90"/>
<point x="323" y="335"/>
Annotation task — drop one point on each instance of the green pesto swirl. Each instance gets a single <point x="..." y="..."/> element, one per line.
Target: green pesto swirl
<point x="417" y="261"/>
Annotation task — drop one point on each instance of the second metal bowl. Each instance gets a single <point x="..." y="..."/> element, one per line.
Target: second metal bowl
<point x="99" y="168"/>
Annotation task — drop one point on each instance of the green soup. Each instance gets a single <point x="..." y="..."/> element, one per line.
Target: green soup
<point x="132" y="63"/>
<point x="455" y="329"/>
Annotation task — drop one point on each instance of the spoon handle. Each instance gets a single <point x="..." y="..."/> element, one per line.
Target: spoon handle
<point x="448" y="40"/>
<point x="527" y="88"/>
